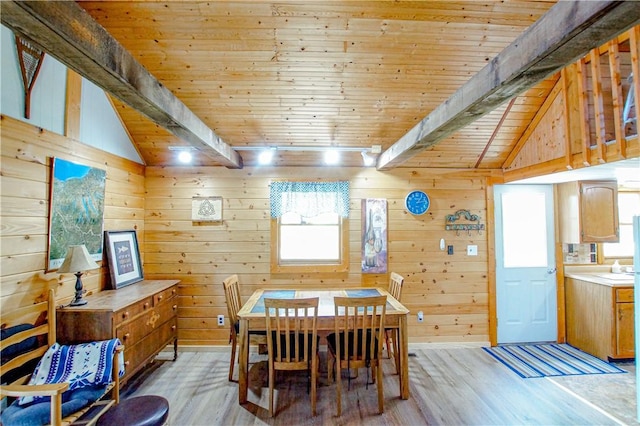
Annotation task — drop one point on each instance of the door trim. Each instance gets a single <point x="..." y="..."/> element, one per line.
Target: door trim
<point x="491" y="267"/>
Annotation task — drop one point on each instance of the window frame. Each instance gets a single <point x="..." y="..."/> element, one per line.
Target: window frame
<point x="601" y="254"/>
<point x="310" y="266"/>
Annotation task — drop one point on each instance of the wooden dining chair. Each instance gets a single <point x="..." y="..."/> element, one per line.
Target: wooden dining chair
<point x="234" y="303"/>
<point x="357" y="341"/>
<point x="292" y="340"/>
<point x="395" y="289"/>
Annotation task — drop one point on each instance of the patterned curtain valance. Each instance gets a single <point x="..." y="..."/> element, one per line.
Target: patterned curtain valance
<point x="310" y="199"/>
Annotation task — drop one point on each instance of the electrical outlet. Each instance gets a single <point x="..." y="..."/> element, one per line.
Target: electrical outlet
<point x="472" y="250"/>
<point x="220" y="319"/>
<point x="420" y="316"/>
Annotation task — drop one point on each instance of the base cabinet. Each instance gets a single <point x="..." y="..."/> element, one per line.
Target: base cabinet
<point x="142" y="315"/>
<point x="600" y="319"/>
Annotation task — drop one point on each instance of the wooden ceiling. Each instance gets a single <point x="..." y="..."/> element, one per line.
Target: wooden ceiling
<point x="320" y="73"/>
<point x="323" y="73"/>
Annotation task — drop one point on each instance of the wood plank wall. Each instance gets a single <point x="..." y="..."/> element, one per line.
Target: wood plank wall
<point x="452" y="291"/>
<point x="24" y="210"/>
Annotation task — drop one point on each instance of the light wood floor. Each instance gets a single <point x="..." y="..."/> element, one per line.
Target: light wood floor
<point x="449" y="386"/>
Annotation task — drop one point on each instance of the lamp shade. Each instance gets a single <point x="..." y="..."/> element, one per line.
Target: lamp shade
<point x="78" y="259"/>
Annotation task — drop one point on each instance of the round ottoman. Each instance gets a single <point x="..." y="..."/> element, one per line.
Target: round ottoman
<point x="147" y="410"/>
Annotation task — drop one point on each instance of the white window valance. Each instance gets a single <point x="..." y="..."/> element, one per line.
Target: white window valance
<point x="310" y="199"/>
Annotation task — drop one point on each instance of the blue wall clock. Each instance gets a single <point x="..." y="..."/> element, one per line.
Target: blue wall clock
<point x="417" y="202"/>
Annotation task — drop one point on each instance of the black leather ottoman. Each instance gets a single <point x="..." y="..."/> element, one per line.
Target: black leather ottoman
<point x="147" y="410"/>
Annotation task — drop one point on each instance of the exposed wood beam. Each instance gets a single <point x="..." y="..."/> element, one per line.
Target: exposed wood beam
<point x="568" y="31"/>
<point x="65" y="31"/>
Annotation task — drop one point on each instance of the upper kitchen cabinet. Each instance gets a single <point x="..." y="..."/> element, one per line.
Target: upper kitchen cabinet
<point x="588" y="211"/>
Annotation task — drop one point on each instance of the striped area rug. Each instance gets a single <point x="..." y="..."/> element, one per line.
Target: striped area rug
<point x="544" y="360"/>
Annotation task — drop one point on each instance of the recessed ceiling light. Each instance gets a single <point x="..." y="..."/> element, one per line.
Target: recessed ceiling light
<point x="185" y="157"/>
<point x="331" y="157"/>
<point x="266" y="156"/>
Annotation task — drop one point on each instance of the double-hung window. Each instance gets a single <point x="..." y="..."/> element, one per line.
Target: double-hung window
<point x="309" y="226"/>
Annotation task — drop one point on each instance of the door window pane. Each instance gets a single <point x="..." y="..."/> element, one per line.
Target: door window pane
<point x="524" y="230"/>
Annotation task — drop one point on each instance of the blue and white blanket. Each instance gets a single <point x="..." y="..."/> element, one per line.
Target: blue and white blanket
<point x="86" y="364"/>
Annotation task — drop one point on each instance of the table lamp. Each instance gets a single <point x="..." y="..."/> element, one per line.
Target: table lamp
<point x="78" y="260"/>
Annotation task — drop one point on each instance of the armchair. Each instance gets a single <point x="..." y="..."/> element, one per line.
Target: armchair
<point x="28" y="341"/>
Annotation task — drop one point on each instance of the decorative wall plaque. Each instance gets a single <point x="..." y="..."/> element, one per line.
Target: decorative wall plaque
<point x="206" y="209"/>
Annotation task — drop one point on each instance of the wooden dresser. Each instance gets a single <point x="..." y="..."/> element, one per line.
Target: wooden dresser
<point x="142" y="315"/>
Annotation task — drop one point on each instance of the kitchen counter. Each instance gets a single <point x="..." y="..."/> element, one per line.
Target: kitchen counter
<point x="604" y="278"/>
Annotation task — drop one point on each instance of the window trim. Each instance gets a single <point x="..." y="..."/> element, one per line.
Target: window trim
<point x="342" y="266"/>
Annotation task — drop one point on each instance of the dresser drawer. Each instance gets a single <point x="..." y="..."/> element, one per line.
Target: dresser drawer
<point x="133" y="331"/>
<point x="624" y="295"/>
<point x="144" y="350"/>
<point x="165" y="295"/>
<point x="132" y="310"/>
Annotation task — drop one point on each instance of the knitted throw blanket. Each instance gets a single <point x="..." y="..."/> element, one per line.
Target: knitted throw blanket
<point x="86" y="364"/>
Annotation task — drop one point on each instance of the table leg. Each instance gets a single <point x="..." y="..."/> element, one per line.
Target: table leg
<point x="404" y="358"/>
<point x="243" y="362"/>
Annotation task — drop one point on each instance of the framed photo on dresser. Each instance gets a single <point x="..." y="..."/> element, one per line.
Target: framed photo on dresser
<point x="123" y="256"/>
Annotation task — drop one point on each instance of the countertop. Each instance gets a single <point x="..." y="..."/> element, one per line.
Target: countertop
<point x="602" y="276"/>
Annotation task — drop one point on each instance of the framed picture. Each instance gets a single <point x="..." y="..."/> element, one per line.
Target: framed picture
<point x="123" y="257"/>
<point x="206" y="209"/>
<point x="76" y="210"/>
<point x="374" y="236"/>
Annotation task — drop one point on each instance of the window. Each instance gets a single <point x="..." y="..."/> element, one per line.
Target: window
<point x="309" y="226"/>
<point x="628" y="206"/>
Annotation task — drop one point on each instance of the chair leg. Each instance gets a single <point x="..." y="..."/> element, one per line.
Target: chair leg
<point x="339" y="387"/>
<point x="272" y="380"/>
<point x="386" y="338"/>
<point x="314" y="379"/>
<point x="380" y="389"/>
<point x="233" y="359"/>
<point x="396" y="349"/>
<point x="330" y="365"/>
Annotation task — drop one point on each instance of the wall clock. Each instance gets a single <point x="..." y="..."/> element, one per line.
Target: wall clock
<point x="417" y="202"/>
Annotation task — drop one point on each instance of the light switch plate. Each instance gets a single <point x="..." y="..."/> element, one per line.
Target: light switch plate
<point x="472" y="250"/>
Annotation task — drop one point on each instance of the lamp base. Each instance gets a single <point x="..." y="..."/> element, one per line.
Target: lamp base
<point x="78" y="300"/>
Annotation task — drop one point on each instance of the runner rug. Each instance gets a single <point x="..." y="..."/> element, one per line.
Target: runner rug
<point x="545" y="360"/>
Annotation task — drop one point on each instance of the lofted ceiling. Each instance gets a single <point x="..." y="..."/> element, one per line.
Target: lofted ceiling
<point x="236" y="76"/>
<point x="323" y="73"/>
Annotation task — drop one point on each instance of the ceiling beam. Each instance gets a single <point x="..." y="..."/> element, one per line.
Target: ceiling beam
<point x="65" y="31"/>
<point x="567" y="32"/>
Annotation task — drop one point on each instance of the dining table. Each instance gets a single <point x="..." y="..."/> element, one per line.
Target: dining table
<point x="252" y="317"/>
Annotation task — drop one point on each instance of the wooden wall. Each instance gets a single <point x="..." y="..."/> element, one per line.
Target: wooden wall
<point x="452" y="291"/>
<point x="24" y="210"/>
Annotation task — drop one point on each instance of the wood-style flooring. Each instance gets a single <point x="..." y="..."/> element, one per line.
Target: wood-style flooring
<point x="449" y="386"/>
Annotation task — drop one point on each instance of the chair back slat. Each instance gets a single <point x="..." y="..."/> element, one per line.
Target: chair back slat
<point x="291" y="326"/>
<point x="395" y="285"/>
<point x="232" y="297"/>
<point x="361" y="320"/>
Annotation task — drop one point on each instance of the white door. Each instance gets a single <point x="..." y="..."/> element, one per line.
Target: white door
<point x="526" y="297"/>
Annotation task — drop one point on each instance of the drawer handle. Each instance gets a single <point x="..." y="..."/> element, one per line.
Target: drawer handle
<point x="126" y="336"/>
<point x="175" y="307"/>
<point x="146" y="305"/>
<point x="160" y="297"/>
<point x="173" y="327"/>
<point x="125" y="315"/>
<point x="127" y="362"/>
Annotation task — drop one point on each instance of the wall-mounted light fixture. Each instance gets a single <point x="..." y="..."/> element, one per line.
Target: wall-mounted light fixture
<point x="184" y="153"/>
<point x="331" y="153"/>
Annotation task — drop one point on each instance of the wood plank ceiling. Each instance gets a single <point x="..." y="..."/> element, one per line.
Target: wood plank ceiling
<point x="321" y="73"/>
